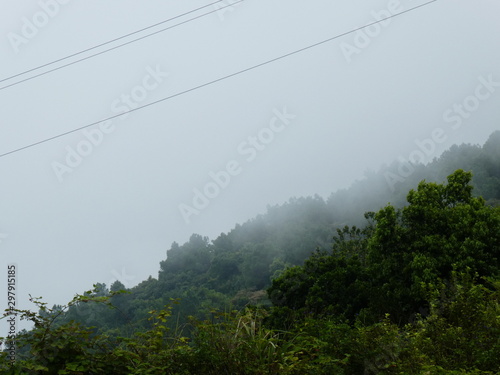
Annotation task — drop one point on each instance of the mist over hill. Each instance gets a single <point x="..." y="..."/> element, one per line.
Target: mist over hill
<point x="236" y="268"/>
<point x="363" y="282"/>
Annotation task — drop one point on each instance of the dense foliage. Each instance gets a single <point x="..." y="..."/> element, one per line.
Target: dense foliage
<point x="414" y="288"/>
<point x="390" y="267"/>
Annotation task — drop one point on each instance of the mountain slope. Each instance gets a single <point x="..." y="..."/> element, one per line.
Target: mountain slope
<point x="235" y="269"/>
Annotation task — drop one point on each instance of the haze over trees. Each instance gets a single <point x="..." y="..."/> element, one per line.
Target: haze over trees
<point x="368" y="281"/>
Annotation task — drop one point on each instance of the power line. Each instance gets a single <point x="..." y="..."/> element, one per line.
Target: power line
<point x="111" y="41"/>
<point x="108" y="42"/>
<point x="218" y="79"/>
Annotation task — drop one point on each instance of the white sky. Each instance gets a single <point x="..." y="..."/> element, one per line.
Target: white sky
<point x="117" y="212"/>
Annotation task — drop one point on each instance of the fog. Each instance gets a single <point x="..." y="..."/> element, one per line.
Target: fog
<point x="106" y="202"/>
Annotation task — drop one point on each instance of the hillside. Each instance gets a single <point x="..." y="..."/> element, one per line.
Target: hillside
<point x="237" y="267"/>
<point x="298" y="291"/>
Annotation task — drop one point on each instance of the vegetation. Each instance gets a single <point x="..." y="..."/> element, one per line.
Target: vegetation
<point x="414" y="288"/>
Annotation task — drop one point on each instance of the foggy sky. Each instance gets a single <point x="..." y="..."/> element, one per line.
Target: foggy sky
<point x="311" y="123"/>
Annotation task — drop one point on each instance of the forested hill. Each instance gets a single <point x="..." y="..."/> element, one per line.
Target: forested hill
<point x="236" y="268"/>
<point x="300" y="290"/>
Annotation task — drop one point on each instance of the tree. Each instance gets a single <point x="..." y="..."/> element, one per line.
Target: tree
<point x="444" y="228"/>
<point x="390" y="266"/>
<point x="335" y="283"/>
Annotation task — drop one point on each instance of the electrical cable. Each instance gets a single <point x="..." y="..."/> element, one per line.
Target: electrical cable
<point x="113" y="48"/>
<point x="217" y="80"/>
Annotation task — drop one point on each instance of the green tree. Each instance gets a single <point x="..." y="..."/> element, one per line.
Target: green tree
<point x="443" y="228"/>
<point x="389" y="266"/>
